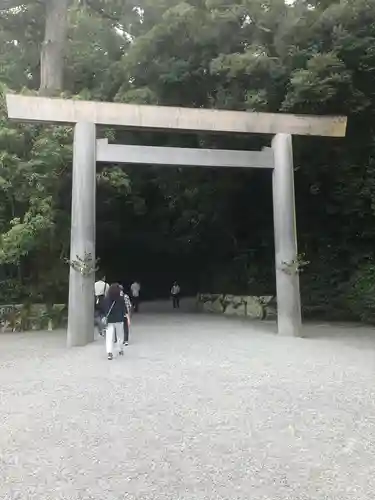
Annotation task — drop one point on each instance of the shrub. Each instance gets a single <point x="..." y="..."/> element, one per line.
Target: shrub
<point x="360" y="294"/>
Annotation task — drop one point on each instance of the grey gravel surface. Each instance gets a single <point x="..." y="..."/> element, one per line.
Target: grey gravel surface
<point x="199" y="408"/>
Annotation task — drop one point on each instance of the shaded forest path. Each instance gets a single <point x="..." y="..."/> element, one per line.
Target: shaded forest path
<point x="200" y="407"/>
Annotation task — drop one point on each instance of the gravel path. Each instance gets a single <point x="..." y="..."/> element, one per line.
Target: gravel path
<point x="199" y="408"/>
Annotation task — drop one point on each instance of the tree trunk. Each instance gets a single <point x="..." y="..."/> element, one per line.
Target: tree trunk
<point x="52" y="53"/>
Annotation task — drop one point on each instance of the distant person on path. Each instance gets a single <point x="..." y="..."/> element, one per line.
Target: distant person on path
<point x="176" y="294"/>
<point x="135" y="290"/>
<point x="128" y="305"/>
<point x="101" y="288"/>
<point x="115" y="312"/>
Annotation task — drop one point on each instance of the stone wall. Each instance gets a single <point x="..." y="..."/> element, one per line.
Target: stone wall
<point x="23" y="317"/>
<point x="238" y="305"/>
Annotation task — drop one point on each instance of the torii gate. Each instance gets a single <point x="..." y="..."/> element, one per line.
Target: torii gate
<point x="85" y="115"/>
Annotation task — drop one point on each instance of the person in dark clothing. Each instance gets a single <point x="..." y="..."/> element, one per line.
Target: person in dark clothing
<point x="135" y="291"/>
<point x="175" y="294"/>
<point x="115" y="311"/>
<point x="128" y="305"/>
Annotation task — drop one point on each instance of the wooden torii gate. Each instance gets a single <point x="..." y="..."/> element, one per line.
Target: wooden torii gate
<point x="85" y="115"/>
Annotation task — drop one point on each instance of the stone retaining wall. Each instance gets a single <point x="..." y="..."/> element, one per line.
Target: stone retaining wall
<point x="23" y="317"/>
<point x="238" y="305"/>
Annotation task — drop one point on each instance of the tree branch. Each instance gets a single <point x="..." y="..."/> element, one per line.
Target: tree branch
<point x="12" y="4"/>
<point x="101" y="12"/>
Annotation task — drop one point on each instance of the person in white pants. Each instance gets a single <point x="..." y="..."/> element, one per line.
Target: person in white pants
<point x="115" y="309"/>
<point x="114" y="331"/>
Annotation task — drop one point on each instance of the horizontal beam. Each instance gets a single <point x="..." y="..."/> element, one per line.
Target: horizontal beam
<point x="134" y="116"/>
<point x="186" y="157"/>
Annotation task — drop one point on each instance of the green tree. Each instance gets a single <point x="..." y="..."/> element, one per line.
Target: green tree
<point x="299" y="57"/>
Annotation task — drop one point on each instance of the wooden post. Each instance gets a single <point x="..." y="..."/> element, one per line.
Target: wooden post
<point x="287" y="280"/>
<point x="81" y="287"/>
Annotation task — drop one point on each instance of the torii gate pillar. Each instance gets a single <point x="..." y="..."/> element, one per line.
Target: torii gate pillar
<point x="289" y="320"/>
<point x="82" y="240"/>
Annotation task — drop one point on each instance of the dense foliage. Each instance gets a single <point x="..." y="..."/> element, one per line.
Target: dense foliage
<point x="210" y="229"/>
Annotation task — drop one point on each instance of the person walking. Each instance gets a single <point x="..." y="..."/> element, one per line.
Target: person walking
<point x="128" y="305"/>
<point x="176" y="293"/>
<point x="135" y="290"/>
<point x="115" y="312"/>
<point x="101" y="287"/>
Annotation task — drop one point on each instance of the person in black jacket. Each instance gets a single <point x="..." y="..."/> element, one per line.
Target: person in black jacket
<point x="115" y="311"/>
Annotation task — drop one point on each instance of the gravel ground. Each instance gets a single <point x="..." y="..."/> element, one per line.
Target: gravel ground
<point x="199" y="408"/>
